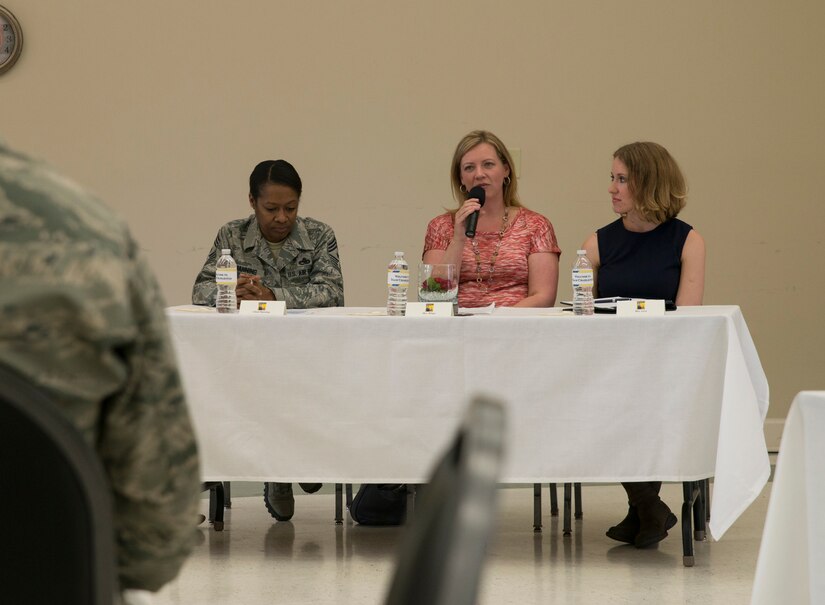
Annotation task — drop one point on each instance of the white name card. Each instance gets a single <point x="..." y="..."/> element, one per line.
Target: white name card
<point x="639" y="306"/>
<point x="263" y="307"/>
<point x="418" y="309"/>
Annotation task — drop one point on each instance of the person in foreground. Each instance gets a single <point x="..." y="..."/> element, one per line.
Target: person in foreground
<point x="83" y="320"/>
<point x="280" y="256"/>
<point x="647" y="253"/>
<point x="513" y="260"/>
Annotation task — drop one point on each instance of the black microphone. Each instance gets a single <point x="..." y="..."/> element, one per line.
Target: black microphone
<point x="472" y="220"/>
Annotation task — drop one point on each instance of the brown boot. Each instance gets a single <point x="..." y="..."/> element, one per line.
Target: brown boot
<point x="627" y="528"/>
<point x="655" y="518"/>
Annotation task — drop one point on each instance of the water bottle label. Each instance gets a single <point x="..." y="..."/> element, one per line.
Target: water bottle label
<point x="582" y="278"/>
<point x="226" y="276"/>
<point x="398" y="278"/>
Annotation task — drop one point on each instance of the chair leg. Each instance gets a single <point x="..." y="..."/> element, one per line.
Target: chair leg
<point x="577" y="490"/>
<point x="227" y="490"/>
<point x="567" y="528"/>
<point x="348" y="488"/>
<point x="554" y="501"/>
<point x="537" y="507"/>
<point x="691" y="490"/>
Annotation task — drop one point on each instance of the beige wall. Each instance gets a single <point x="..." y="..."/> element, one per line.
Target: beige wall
<point x="164" y="107"/>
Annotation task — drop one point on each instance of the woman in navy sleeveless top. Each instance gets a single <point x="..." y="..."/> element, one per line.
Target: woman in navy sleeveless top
<point x="647" y="253"/>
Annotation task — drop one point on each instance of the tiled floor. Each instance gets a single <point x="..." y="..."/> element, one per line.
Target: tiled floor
<point x="310" y="560"/>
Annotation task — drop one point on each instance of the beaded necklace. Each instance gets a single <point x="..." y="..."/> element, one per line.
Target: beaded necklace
<point x="474" y="245"/>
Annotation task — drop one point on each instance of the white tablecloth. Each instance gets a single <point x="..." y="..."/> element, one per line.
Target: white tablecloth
<point x="347" y="395"/>
<point x="791" y="567"/>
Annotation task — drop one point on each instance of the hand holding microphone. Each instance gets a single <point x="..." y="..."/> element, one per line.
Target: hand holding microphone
<point x="478" y="193"/>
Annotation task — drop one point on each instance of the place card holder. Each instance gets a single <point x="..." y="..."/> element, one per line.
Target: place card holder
<point x="263" y="307"/>
<point x="425" y="309"/>
<point x="640" y="307"/>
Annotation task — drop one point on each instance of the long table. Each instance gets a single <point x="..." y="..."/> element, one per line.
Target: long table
<point x="349" y="395"/>
<point x="792" y="553"/>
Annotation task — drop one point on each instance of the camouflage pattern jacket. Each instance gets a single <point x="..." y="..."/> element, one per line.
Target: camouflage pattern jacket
<point x="306" y="274"/>
<point x="83" y="319"/>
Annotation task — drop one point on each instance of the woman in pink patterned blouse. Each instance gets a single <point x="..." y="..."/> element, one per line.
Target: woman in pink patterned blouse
<point x="513" y="260"/>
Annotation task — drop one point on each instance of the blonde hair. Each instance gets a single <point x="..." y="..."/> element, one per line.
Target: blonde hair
<point x="470" y="141"/>
<point x="654" y="180"/>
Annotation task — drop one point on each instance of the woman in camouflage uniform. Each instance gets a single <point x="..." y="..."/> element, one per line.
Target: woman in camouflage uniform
<point x="280" y="255"/>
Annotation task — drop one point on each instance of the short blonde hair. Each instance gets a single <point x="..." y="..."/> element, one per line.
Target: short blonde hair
<point x="472" y="140"/>
<point x="654" y="180"/>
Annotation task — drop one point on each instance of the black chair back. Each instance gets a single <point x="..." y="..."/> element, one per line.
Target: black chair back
<point x="55" y="505"/>
<point x="443" y="552"/>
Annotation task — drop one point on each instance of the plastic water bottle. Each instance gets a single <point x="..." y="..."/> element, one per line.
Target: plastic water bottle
<point x="226" y="277"/>
<point x="582" y="285"/>
<point x="398" y="281"/>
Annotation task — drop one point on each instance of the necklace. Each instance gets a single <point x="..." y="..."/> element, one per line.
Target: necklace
<point x="474" y="244"/>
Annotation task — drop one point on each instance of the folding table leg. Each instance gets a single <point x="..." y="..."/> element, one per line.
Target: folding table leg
<point x="216" y="504"/>
<point x="577" y="490"/>
<point x="699" y="513"/>
<point x="339" y="509"/>
<point x="537" y="507"/>
<point x="706" y="497"/>
<point x="411" y="491"/>
<point x="567" y="528"/>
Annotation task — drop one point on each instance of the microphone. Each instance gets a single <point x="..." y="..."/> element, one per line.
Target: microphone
<point x="472" y="220"/>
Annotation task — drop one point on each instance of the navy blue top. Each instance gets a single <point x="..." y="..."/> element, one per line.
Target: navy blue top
<point x="641" y="265"/>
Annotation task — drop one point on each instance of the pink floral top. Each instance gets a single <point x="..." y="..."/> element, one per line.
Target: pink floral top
<point x="527" y="233"/>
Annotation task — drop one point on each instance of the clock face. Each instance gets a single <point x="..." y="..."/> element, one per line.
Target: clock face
<point x="11" y="39"/>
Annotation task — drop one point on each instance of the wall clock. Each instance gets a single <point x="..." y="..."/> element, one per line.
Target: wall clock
<point x="11" y="39"/>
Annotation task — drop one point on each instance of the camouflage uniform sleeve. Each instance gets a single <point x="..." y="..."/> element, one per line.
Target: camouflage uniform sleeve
<point x="148" y="447"/>
<point x="84" y="320"/>
<point x="205" y="290"/>
<point x="93" y="336"/>
<point x="326" y="283"/>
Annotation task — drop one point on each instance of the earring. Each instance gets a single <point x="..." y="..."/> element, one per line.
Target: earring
<point x="506" y="180"/>
<point x="462" y="188"/>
